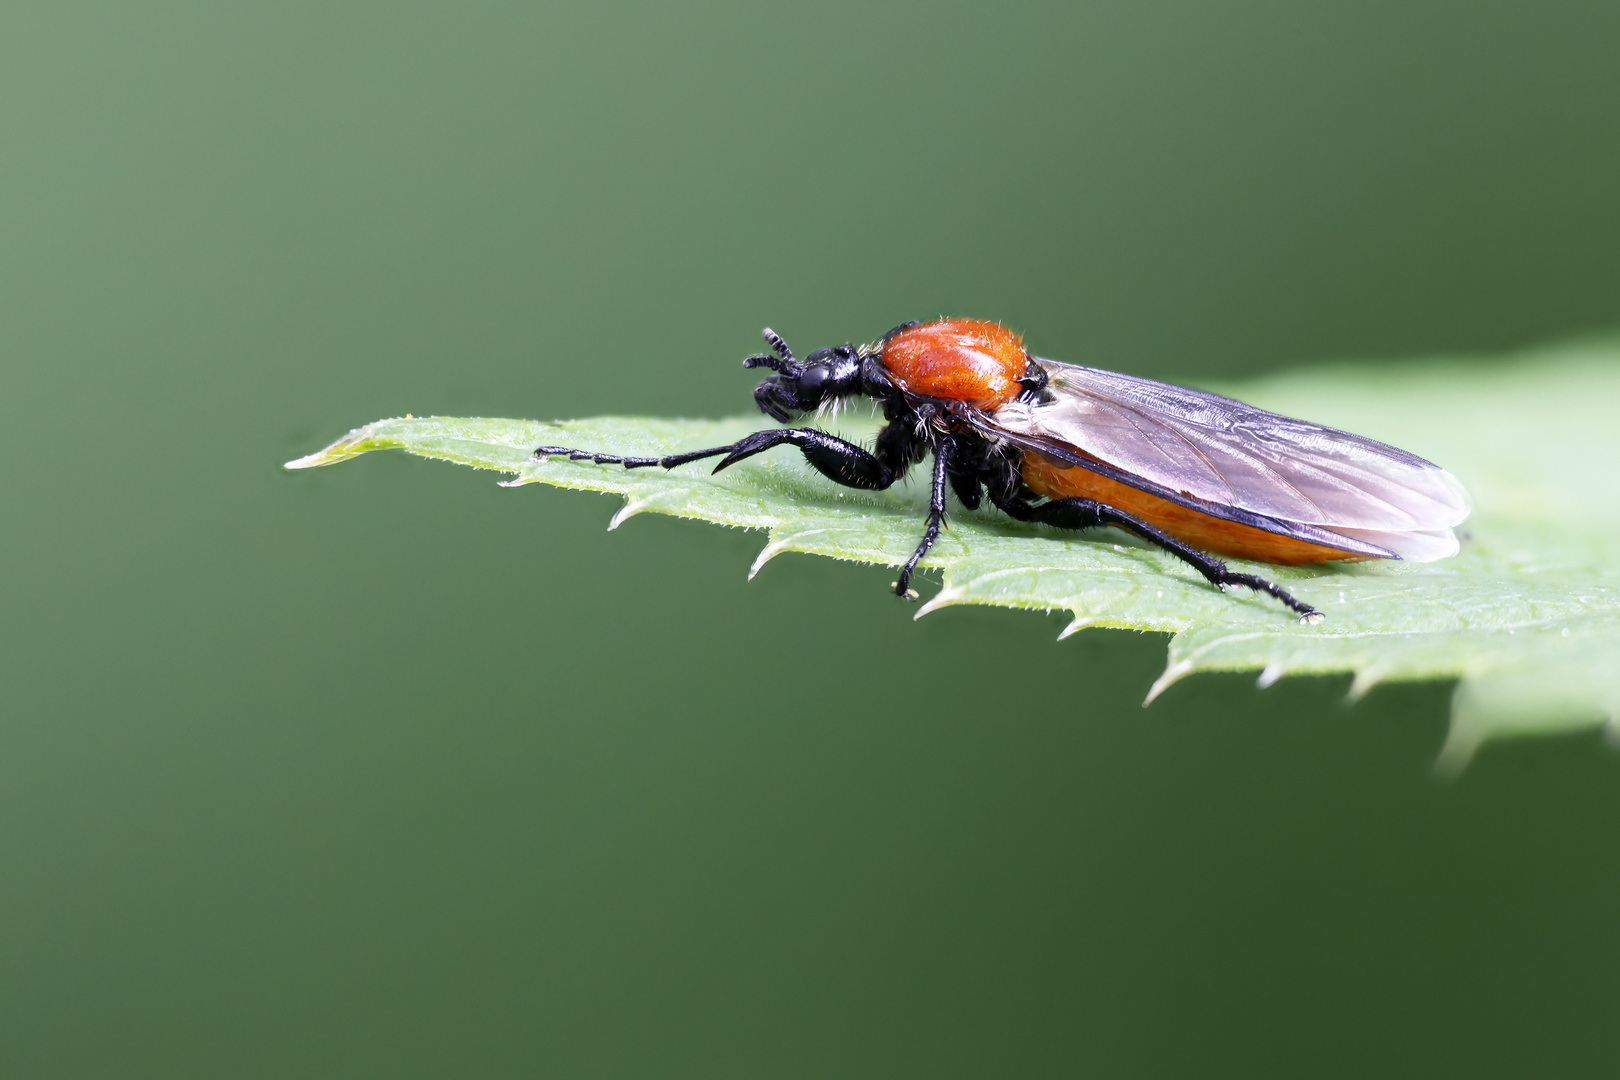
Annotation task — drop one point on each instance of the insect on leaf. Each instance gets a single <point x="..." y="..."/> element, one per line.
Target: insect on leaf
<point x="1526" y="618"/>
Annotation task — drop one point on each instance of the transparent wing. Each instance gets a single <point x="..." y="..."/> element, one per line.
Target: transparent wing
<point x="1214" y="450"/>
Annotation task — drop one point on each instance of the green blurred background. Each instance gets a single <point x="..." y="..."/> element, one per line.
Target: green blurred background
<point x="386" y="771"/>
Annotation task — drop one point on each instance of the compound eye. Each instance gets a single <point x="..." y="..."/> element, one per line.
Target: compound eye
<point x="813" y="381"/>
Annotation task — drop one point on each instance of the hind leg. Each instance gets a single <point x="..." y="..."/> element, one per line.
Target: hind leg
<point x="1088" y="514"/>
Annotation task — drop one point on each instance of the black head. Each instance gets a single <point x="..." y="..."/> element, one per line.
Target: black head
<point x="802" y="387"/>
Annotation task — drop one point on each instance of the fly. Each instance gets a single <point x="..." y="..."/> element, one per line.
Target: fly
<point x="1195" y="474"/>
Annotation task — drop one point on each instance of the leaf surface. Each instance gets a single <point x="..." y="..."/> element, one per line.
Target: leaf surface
<point x="1526" y="618"/>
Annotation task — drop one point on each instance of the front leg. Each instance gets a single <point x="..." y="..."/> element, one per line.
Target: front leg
<point x="840" y="461"/>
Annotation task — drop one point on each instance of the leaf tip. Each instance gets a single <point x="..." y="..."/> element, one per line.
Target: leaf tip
<point x="1365" y="680"/>
<point x="630" y="509"/>
<point x="1172" y="675"/>
<point x="1080" y="623"/>
<point x="943" y="598"/>
<point x="359" y="441"/>
<point x="766" y="554"/>
<point x="341" y="450"/>
<point x="524" y="474"/>
<point x="1457" y="752"/>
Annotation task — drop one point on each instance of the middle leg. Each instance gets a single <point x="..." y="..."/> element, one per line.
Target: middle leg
<point x="936" y="516"/>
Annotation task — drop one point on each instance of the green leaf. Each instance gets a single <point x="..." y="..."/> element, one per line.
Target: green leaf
<point x="1526" y="618"/>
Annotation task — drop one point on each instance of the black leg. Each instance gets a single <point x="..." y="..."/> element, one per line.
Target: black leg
<point x="936" y="517"/>
<point x="1087" y="514"/>
<point x="778" y="346"/>
<point x="669" y="462"/>
<point x="783" y="362"/>
<point x="832" y="457"/>
<point x="840" y="461"/>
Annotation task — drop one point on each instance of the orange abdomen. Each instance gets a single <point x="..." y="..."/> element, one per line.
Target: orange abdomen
<point x="960" y="360"/>
<point x="1202" y="531"/>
